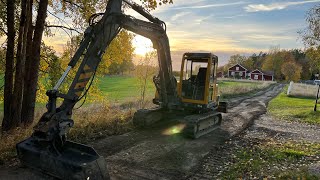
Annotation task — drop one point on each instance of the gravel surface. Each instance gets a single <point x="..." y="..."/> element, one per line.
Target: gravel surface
<point x="151" y="154"/>
<point x="263" y="130"/>
<point x="267" y="126"/>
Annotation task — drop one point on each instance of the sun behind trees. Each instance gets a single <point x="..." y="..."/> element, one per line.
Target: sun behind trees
<point x="26" y="22"/>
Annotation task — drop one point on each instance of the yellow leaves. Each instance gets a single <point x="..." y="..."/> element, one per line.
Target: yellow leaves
<point x="291" y="70"/>
<point x="41" y="93"/>
<point x="119" y="50"/>
<point x="314" y="58"/>
<point x="153" y="4"/>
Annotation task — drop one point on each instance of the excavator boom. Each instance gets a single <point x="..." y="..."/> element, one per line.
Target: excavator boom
<point x="48" y="148"/>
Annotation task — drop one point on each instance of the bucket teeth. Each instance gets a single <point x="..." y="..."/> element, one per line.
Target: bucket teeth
<point x="75" y="161"/>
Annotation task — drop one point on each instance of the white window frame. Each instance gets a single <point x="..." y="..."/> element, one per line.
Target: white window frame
<point x="237" y="68"/>
<point x="256" y="77"/>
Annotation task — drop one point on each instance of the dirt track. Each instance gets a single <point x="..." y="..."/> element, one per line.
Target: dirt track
<point x="159" y="154"/>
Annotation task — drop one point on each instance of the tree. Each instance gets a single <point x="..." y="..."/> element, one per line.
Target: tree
<point x="119" y="51"/>
<point x="313" y="55"/>
<point x="144" y="72"/>
<point x="291" y="70"/>
<point x="301" y="58"/>
<point x="237" y="59"/>
<point x="17" y="94"/>
<point x="29" y="40"/>
<point x="311" y="35"/>
<point x="8" y="81"/>
<point x="274" y="60"/>
<point x="33" y="63"/>
<point x="258" y="60"/>
<point x="249" y="63"/>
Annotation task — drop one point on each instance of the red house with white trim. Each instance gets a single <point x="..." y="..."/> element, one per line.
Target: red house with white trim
<point x="262" y="75"/>
<point x="237" y="71"/>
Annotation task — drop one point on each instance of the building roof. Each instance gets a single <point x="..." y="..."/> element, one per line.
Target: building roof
<point x="269" y="73"/>
<point x="257" y="70"/>
<point x="239" y="65"/>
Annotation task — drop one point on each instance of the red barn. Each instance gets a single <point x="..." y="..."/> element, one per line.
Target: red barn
<point x="261" y="75"/>
<point x="220" y="74"/>
<point x="237" y="71"/>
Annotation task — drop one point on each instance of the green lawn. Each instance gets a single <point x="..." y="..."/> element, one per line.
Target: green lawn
<point x="122" y="88"/>
<point x="293" y="108"/>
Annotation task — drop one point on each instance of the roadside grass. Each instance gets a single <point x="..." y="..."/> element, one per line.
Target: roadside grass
<point x="273" y="160"/>
<point x="229" y="89"/>
<point x="294" y="109"/>
<point x="92" y="122"/>
<point x="101" y="120"/>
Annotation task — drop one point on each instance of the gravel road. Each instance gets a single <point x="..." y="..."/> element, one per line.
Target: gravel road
<point x="155" y="154"/>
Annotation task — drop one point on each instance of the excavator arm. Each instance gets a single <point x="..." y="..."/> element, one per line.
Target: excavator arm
<point x="48" y="148"/>
<point x="96" y="39"/>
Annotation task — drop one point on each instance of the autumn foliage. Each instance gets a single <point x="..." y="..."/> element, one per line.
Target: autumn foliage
<point x="291" y="71"/>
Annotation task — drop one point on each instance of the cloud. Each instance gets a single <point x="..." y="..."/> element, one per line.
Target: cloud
<point x="210" y="5"/>
<point x="275" y="6"/>
<point x="179" y="15"/>
<point x="234" y="16"/>
<point x="264" y="37"/>
<point x="204" y="19"/>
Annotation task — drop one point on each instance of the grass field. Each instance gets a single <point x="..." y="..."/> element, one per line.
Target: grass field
<point x="293" y="108"/>
<point x="121" y="88"/>
<point x="229" y="89"/>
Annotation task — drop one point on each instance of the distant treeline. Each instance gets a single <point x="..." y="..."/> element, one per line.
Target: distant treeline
<point x="294" y="64"/>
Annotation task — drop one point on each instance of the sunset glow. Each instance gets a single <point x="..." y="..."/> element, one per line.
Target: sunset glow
<point x="142" y="45"/>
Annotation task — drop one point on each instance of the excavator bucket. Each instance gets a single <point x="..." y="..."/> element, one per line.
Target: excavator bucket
<point x="75" y="161"/>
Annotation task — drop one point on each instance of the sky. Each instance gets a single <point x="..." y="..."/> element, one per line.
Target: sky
<point x="223" y="27"/>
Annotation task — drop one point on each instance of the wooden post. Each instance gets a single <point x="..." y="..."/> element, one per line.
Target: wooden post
<point x="315" y="106"/>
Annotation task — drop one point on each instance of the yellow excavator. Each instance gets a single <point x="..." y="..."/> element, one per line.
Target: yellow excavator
<point x="194" y="100"/>
<point x="198" y="100"/>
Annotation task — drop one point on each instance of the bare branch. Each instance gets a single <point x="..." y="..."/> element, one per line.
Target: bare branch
<point x="1" y="29"/>
<point x="63" y="27"/>
<point x="74" y="4"/>
<point x="5" y="3"/>
<point x="60" y="19"/>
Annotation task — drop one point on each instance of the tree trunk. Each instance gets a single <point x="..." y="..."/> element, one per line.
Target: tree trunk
<point x="27" y="63"/>
<point x="20" y="65"/>
<point x="6" y="123"/>
<point x="31" y="86"/>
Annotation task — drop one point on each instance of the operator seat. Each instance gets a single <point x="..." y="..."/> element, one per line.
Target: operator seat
<point x="201" y="77"/>
<point x="198" y="92"/>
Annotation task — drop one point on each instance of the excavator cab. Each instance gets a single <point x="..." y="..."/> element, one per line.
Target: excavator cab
<point x="198" y="81"/>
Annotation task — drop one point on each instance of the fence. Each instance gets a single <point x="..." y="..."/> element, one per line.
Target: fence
<point x="302" y="90"/>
